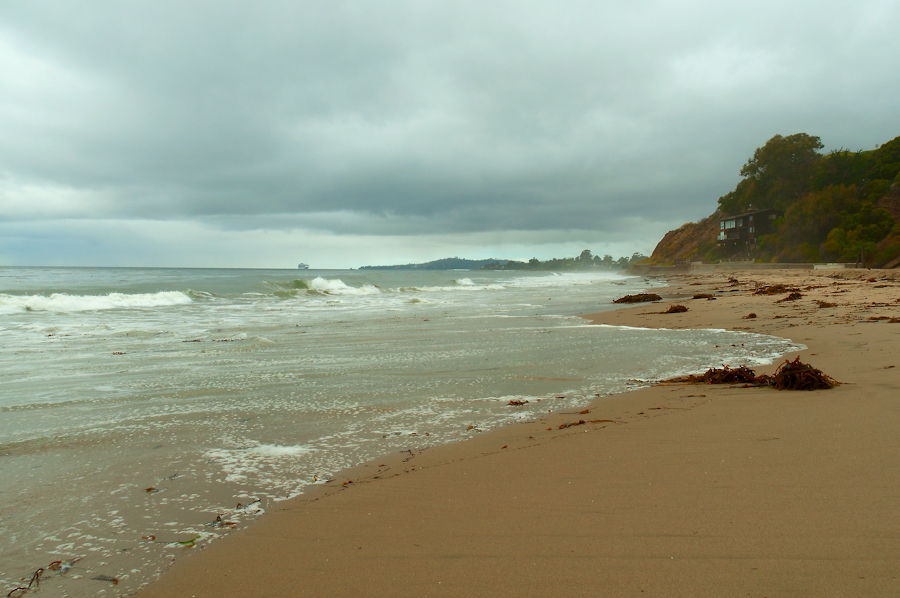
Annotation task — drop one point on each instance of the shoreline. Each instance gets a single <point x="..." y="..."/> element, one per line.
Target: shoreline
<point x="531" y="507"/>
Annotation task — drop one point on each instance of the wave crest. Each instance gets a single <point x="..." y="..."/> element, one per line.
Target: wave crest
<point x="65" y="303"/>
<point x="338" y="287"/>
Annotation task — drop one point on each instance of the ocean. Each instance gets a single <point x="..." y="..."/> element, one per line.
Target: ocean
<point x="137" y="406"/>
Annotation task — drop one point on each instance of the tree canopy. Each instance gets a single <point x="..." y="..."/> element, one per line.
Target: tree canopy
<point x="778" y="173"/>
<point x="836" y="206"/>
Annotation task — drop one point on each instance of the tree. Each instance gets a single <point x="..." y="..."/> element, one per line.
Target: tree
<point x="810" y="219"/>
<point x="779" y="172"/>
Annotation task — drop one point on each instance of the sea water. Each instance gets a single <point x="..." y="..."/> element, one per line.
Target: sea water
<point x="137" y="406"/>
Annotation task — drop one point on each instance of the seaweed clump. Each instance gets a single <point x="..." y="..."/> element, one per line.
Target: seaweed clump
<point x="775" y="289"/>
<point x="723" y="375"/>
<point x="792" y="297"/>
<point x="639" y="298"/>
<point x="676" y="309"/>
<point x="796" y="375"/>
<point x="791" y="375"/>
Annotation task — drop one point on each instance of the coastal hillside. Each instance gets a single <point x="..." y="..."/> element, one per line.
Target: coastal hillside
<point x="839" y="206"/>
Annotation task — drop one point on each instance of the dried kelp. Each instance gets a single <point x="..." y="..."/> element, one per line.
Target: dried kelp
<point x="792" y="297"/>
<point x="581" y="422"/>
<point x="702" y="296"/>
<point x="796" y="375"/>
<point x="723" y="375"/>
<point x="676" y="309"/>
<point x="791" y="375"/>
<point x="775" y="289"/>
<point x="639" y="298"/>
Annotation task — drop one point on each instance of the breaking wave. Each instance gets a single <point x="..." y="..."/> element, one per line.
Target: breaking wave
<point x="319" y="285"/>
<point x="65" y="303"/>
<point x="338" y="287"/>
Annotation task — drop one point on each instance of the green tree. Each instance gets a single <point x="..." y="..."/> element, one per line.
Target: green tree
<point x="859" y="231"/>
<point x="778" y="173"/>
<point x="810" y="219"/>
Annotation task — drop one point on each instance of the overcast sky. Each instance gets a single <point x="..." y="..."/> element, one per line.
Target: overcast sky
<point x="343" y="133"/>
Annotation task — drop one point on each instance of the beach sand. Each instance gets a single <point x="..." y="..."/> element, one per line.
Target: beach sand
<point x="691" y="490"/>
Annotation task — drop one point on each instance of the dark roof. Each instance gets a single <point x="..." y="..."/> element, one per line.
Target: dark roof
<point x="751" y="213"/>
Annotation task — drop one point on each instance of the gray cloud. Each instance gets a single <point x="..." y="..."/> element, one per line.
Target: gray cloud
<point x="399" y="119"/>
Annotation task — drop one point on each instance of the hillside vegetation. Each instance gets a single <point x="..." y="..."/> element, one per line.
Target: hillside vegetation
<point x="836" y="206"/>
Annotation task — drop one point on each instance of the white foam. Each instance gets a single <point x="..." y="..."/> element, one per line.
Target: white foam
<point x="65" y="303"/>
<point x="274" y="450"/>
<point x="339" y="287"/>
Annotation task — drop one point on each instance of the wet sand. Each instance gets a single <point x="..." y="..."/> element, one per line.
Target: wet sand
<point x="688" y="491"/>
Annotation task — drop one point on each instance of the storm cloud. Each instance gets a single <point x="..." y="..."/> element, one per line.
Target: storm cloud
<point x="346" y="133"/>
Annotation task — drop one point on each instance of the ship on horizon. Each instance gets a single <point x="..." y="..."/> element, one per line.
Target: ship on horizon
<point x="302" y="266"/>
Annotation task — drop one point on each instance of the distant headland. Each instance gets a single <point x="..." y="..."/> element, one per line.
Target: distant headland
<point x="584" y="261"/>
<point x="448" y="263"/>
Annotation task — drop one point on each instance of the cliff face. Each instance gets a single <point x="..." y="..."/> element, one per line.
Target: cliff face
<point x="684" y="242"/>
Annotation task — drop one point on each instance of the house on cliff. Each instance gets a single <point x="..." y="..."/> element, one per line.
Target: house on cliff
<point x="739" y="233"/>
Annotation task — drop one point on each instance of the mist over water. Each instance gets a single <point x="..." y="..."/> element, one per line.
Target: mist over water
<point x="139" y="404"/>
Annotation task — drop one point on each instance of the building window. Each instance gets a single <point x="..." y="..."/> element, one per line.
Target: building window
<point x="722" y="236"/>
<point x="722" y="225"/>
<point x="729" y="224"/>
<point x="751" y="218"/>
<point x="740" y="222"/>
<point x="752" y="229"/>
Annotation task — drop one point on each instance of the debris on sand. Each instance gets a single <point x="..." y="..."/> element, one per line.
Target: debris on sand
<point x="517" y="403"/>
<point x="723" y="375"/>
<point x="825" y="304"/>
<point x="792" y="297"/>
<point x="676" y="309"/>
<point x="796" y="375"/>
<point x="791" y="375"/>
<point x="702" y="296"/>
<point x="639" y="298"/>
<point x="749" y="316"/>
<point x="775" y="289"/>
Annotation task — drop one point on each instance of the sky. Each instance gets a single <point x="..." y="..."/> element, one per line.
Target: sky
<point x="345" y="133"/>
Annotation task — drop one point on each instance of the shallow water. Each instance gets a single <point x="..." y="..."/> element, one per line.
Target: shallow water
<point x="139" y="404"/>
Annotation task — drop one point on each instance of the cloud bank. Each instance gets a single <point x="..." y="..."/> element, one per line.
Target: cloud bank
<point x="344" y="133"/>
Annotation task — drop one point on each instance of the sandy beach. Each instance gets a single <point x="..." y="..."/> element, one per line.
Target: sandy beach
<point x="671" y="490"/>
